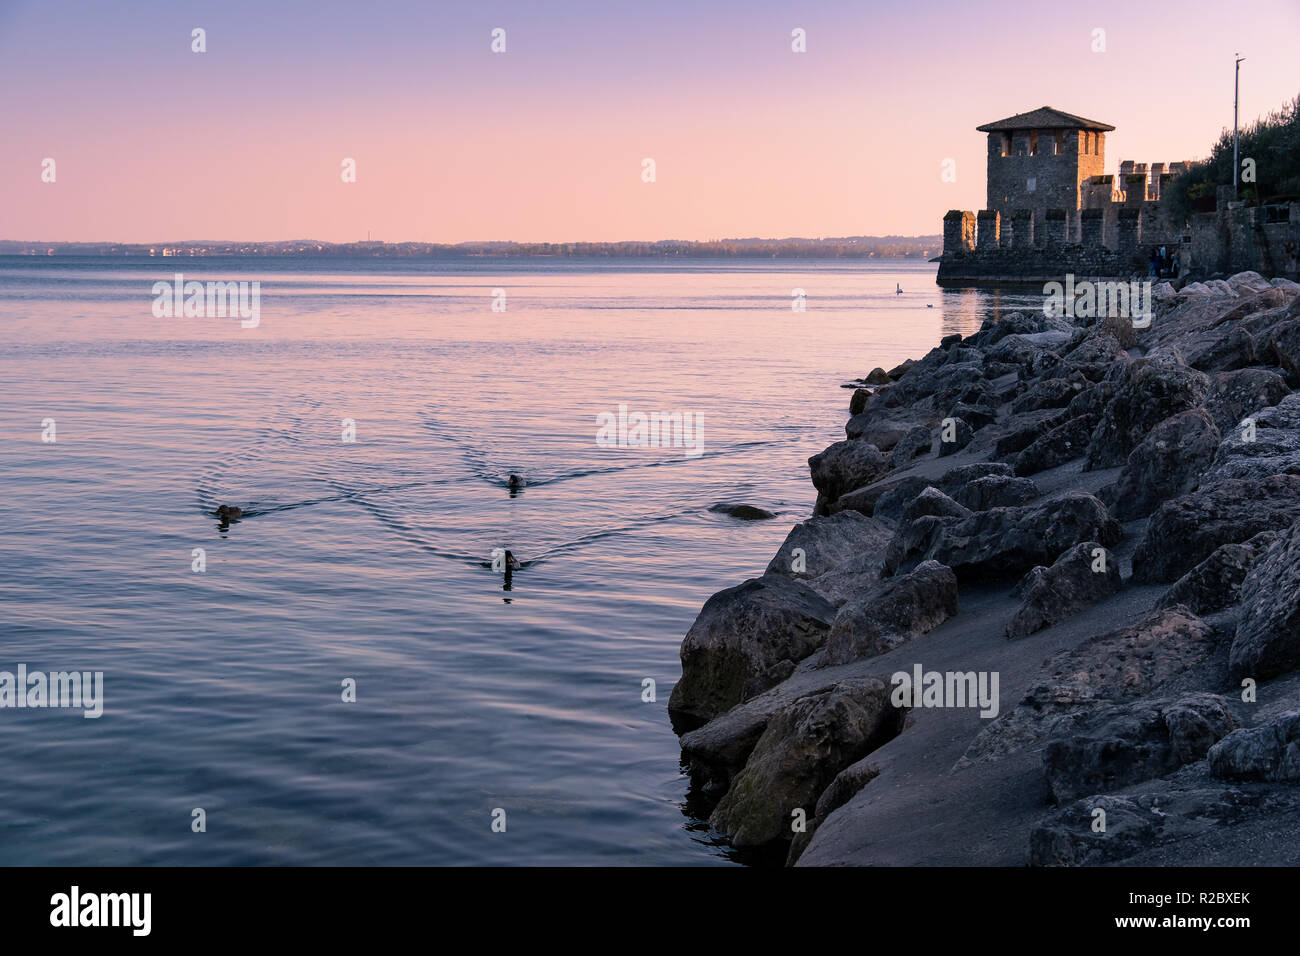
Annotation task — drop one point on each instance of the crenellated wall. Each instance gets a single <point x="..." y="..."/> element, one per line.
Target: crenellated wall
<point x="1120" y="220"/>
<point x="1234" y="238"/>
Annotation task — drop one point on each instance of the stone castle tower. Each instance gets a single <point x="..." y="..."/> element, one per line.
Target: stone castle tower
<point x="1038" y="161"/>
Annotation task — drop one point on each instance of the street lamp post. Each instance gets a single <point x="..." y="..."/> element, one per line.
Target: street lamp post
<point x="1236" y="163"/>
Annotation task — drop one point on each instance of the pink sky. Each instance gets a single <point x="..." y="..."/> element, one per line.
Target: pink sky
<point x="545" y="142"/>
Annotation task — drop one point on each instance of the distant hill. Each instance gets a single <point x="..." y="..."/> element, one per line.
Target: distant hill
<point x="847" y="247"/>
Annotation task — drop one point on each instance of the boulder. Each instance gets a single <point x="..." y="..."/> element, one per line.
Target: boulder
<point x="1235" y="395"/>
<point x="1246" y="282"/>
<point x="1146" y="394"/>
<point x="1020" y="431"/>
<point x="995" y="491"/>
<point x="1123" y="665"/>
<point x="1082" y="576"/>
<point x="1269" y="445"/>
<point x="932" y="501"/>
<point x="976" y="416"/>
<point x="954" y="479"/>
<point x="1282" y="347"/>
<point x="902" y="607"/>
<point x="802" y="749"/>
<point x="1003" y="541"/>
<point x="1166" y="464"/>
<point x="1137" y="822"/>
<point x="954" y="435"/>
<point x="898" y="371"/>
<point x="1185" y="531"/>
<point x="850" y="579"/>
<point x="881" y="429"/>
<point x="846" y="465"/>
<point x="742" y="633"/>
<point x="1215" y="583"/>
<point x="829" y="543"/>
<point x="888" y="501"/>
<point x="1050" y="393"/>
<point x="742" y="511"/>
<point x="1115" y="746"/>
<point x="1270" y="752"/>
<point x="1098" y="351"/>
<point x="714" y="753"/>
<point x="1268" y="634"/>
<point x="877" y="376"/>
<point x="1062" y="444"/>
<point x="859" y="401"/>
<point x="916" y="442"/>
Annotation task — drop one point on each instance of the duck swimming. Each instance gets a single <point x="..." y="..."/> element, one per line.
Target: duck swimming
<point x="515" y="483"/>
<point x="512" y="563"/>
<point x="229" y="512"/>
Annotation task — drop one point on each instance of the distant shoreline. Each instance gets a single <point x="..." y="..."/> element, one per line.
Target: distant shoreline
<point x="849" y="247"/>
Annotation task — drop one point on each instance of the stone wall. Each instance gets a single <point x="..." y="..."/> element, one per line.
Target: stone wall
<point x="1116" y="242"/>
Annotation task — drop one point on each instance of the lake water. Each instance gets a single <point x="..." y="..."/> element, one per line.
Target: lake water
<point x="366" y="560"/>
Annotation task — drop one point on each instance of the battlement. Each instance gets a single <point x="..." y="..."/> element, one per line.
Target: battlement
<point x="1052" y="208"/>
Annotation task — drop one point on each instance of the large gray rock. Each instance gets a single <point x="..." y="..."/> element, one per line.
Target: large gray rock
<point x="1168" y="463"/>
<point x="916" y="442"/>
<point x="1022" y="430"/>
<point x="1270" y="752"/>
<point x="829" y="543"/>
<point x="932" y="501"/>
<point x="1003" y="541"/>
<point x="1215" y="583"/>
<point x="1246" y="282"/>
<point x="741" y="641"/>
<point x="887" y="500"/>
<point x="1271" y="447"/>
<point x="1185" y="531"/>
<point x="1095" y="354"/>
<point x="1235" y="395"/>
<point x="899" y="609"/>
<point x="884" y="429"/>
<point x="1082" y="576"/>
<point x="1050" y="393"/>
<point x="1268" y="634"/>
<point x="995" y="491"/>
<point x="1065" y="442"/>
<point x="1146" y="394"/>
<point x="1122" y="665"/>
<point x="1068" y="438"/>
<point x="801" y="750"/>
<point x="1139" y="822"/>
<point x="954" y="435"/>
<point x="1114" y="746"/>
<point x="891" y="499"/>
<point x="846" y="465"/>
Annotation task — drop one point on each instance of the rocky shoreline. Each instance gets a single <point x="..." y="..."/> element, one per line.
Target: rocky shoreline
<point x="1083" y="540"/>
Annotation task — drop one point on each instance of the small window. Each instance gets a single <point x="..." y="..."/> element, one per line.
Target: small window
<point x="1006" y="144"/>
<point x="1033" y="143"/>
<point x="1058" y="144"/>
<point x="1031" y="185"/>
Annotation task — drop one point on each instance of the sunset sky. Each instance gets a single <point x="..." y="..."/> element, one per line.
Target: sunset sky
<point x="545" y="142"/>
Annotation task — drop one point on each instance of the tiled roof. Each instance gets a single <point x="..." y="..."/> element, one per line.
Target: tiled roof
<point x="1044" y="118"/>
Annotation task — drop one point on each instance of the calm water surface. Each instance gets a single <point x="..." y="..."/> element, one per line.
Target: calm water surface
<point x="366" y="560"/>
